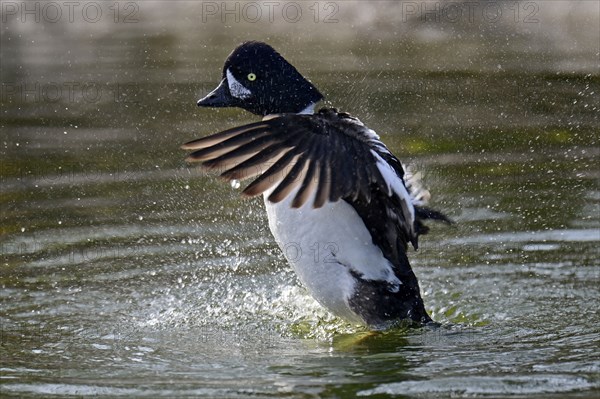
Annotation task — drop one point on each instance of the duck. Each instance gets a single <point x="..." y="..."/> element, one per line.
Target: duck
<point x="341" y="207"/>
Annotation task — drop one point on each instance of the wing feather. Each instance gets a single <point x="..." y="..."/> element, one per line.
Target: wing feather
<point x="324" y="185"/>
<point x="271" y="176"/>
<point x="256" y="164"/>
<point x="218" y="138"/>
<point x="234" y="155"/>
<point x="326" y="156"/>
<point x="290" y="181"/>
<point x="309" y="182"/>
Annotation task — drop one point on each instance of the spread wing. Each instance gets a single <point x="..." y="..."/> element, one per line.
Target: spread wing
<point x="325" y="156"/>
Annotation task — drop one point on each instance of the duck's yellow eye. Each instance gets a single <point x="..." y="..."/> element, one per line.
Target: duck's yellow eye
<point x="251" y="77"/>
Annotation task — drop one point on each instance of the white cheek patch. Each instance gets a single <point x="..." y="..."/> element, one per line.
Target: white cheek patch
<point x="236" y="88"/>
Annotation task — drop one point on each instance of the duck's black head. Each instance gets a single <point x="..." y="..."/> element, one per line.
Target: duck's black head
<point x="258" y="79"/>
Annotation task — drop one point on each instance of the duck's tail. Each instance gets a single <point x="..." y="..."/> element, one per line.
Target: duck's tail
<point x="420" y="197"/>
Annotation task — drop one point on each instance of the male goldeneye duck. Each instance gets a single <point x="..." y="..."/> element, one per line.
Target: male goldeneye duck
<point x="336" y="198"/>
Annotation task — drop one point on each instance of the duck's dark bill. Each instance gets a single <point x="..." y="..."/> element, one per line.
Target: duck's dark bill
<point x="219" y="97"/>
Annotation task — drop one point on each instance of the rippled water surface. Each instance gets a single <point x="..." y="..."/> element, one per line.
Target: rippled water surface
<point x="127" y="273"/>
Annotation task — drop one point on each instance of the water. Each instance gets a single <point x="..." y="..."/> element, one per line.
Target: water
<point x="126" y="273"/>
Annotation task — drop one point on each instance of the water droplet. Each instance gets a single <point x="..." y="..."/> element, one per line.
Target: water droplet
<point x="235" y="184"/>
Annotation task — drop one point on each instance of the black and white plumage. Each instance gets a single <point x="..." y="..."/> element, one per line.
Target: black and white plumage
<point x="336" y="198"/>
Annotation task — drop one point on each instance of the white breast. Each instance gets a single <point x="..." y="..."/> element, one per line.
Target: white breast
<point x="323" y="245"/>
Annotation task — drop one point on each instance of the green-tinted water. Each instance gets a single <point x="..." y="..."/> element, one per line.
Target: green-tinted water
<point x="126" y="273"/>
